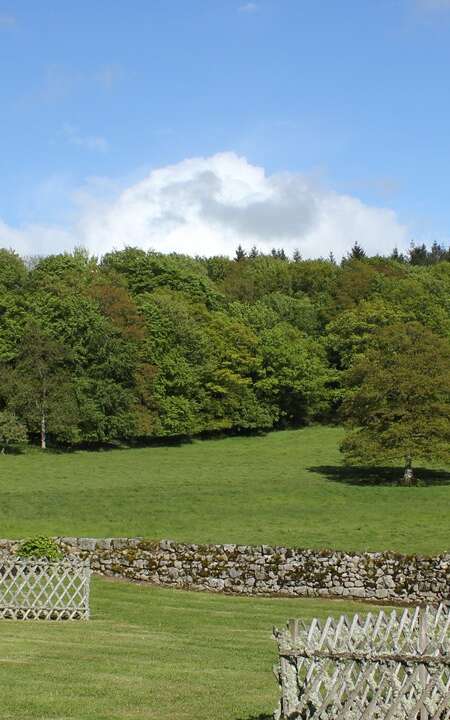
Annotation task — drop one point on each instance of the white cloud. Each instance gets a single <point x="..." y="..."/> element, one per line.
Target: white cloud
<point x="249" y="7"/>
<point x="7" y="21"/>
<point x="208" y="206"/>
<point x="35" y="239"/>
<point x="90" y="142"/>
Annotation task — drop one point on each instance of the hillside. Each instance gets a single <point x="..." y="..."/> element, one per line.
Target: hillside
<point x="284" y="488"/>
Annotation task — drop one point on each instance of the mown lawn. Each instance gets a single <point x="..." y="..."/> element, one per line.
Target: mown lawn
<point x="283" y="488"/>
<point x="150" y="653"/>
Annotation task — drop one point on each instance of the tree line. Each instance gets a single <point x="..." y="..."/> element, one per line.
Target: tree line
<point x="139" y="345"/>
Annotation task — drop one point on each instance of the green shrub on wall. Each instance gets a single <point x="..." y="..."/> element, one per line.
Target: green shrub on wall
<point x="39" y="547"/>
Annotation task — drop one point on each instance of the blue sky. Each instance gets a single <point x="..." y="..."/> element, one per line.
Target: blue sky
<point x="311" y="113"/>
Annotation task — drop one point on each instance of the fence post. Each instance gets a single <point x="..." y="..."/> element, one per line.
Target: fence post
<point x="87" y="590"/>
<point x="423" y="642"/>
<point x="289" y="674"/>
<point x="289" y="697"/>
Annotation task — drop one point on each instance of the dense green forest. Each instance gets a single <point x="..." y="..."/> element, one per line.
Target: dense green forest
<point x="140" y="345"/>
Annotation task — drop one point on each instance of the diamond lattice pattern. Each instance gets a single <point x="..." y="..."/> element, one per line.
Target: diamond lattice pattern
<point x="385" y="666"/>
<point x="36" y="589"/>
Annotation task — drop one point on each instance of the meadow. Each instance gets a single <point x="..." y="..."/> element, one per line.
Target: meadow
<point x="286" y="488"/>
<point x="150" y="652"/>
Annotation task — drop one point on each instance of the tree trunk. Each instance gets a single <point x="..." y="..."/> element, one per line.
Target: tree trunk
<point x="408" y="475"/>
<point x="43" y="433"/>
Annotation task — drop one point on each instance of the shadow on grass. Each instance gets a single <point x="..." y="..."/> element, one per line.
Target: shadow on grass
<point x="355" y="475"/>
<point x="105" y="447"/>
<point x="12" y="451"/>
<point x="263" y="716"/>
<point x="96" y="447"/>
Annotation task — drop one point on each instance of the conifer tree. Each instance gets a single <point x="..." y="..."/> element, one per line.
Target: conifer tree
<point x="240" y="253"/>
<point x="357" y="252"/>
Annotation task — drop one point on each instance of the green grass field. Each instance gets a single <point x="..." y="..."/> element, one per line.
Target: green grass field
<point x="153" y="652"/>
<point x="150" y="653"/>
<point x="283" y="488"/>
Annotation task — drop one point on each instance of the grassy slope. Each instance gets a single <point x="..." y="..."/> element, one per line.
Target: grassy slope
<point x="150" y="653"/>
<point x="245" y="490"/>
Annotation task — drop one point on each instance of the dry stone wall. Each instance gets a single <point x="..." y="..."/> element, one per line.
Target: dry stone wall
<point x="265" y="570"/>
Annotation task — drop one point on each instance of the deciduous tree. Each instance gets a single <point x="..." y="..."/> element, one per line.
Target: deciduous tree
<point x="399" y="399"/>
<point x="13" y="433"/>
<point x="38" y="387"/>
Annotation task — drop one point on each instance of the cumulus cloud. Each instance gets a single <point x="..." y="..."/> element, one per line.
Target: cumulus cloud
<point x="32" y="239"/>
<point x="209" y="205"/>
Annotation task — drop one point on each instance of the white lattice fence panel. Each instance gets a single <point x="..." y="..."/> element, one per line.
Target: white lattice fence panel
<point x="39" y="589"/>
<point x="392" y="666"/>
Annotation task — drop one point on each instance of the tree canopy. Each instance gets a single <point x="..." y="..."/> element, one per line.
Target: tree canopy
<point x="399" y="398"/>
<point x="139" y="345"/>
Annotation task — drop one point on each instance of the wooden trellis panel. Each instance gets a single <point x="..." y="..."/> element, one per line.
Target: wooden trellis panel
<point x="43" y="590"/>
<point x="385" y="666"/>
